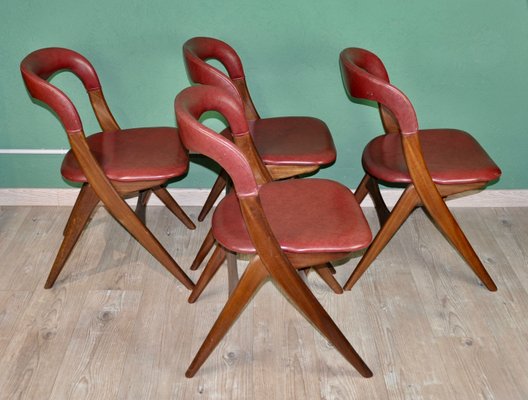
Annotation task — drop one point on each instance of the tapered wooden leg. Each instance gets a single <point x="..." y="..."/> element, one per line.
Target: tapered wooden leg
<point x="126" y="217"/>
<point x="205" y="248"/>
<point x="214" y="263"/>
<point x="449" y="226"/>
<point x="79" y="217"/>
<point x="326" y="275"/>
<point x="218" y="186"/>
<point x="141" y="207"/>
<point x="250" y="281"/>
<point x="293" y="286"/>
<point x="72" y="219"/>
<point x="162" y="193"/>
<point x="232" y="272"/>
<point x="403" y="208"/>
<point x="362" y="190"/>
<point x="379" y="204"/>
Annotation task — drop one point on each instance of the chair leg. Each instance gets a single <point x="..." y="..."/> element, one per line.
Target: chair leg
<point x="232" y="272"/>
<point x="218" y="186"/>
<point x="403" y="208"/>
<point x="141" y="206"/>
<point x="216" y="260"/>
<point x="362" y="190"/>
<point x="379" y="204"/>
<point x="250" y="281"/>
<point x="449" y="226"/>
<point x="307" y="303"/>
<point x="326" y="275"/>
<point x="205" y="248"/>
<point x="126" y="217"/>
<point x="162" y="193"/>
<point x="79" y="217"/>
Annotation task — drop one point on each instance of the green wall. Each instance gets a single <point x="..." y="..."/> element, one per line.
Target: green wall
<point x="463" y="63"/>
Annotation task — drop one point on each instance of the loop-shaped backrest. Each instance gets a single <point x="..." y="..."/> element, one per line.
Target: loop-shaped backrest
<point x="41" y="64"/>
<point x="365" y="77"/>
<point x="198" y="50"/>
<point x="189" y="105"/>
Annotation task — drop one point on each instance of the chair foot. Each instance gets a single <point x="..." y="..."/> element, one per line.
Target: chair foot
<point x="403" y="208"/>
<point x="447" y="224"/>
<point x="162" y="193"/>
<point x="216" y="260"/>
<point x="79" y="217"/>
<point x="205" y="248"/>
<point x="326" y="275"/>
<point x="118" y="208"/>
<point x="250" y="281"/>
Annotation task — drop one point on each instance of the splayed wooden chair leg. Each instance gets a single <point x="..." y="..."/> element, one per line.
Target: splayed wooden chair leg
<point x="214" y="263"/>
<point x="232" y="272"/>
<point x="379" y="204"/>
<point x="79" y="217"/>
<point x="293" y="286"/>
<point x="218" y="186"/>
<point x="406" y="204"/>
<point x="447" y="224"/>
<point x="126" y="217"/>
<point x="250" y="281"/>
<point x="362" y="190"/>
<point x="141" y="206"/>
<point x="162" y="193"/>
<point x="326" y="275"/>
<point x="205" y="248"/>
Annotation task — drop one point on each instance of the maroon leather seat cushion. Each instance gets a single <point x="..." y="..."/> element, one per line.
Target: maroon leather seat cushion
<point x="452" y="157"/>
<point x="133" y="155"/>
<point x="293" y="141"/>
<point x="306" y="216"/>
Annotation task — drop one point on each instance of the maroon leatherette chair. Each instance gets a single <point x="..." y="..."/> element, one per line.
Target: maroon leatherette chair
<point x="430" y="164"/>
<point x="285" y="225"/>
<point x="110" y="164"/>
<point x="289" y="146"/>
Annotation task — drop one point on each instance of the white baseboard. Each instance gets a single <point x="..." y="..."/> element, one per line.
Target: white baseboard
<point x="196" y="197"/>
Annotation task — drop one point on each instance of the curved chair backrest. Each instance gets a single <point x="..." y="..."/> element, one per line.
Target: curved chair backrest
<point x="39" y="66"/>
<point x="198" y="50"/>
<point x="365" y="77"/>
<point x="190" y="104"/>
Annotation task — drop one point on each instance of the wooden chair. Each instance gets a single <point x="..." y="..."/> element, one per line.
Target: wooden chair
<point x="430" y="164"/>
<point x="289" y="146"/>
<point x="111" y="164"/>
<point x="286" y="225"/>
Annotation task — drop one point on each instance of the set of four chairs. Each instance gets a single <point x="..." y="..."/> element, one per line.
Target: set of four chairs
<point x="286" y="224"/>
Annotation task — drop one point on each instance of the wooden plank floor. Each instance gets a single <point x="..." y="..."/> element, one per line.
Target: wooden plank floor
<point x="117" y="325"/>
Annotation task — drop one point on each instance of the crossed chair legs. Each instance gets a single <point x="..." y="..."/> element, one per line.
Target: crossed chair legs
<point x="435" y="205"/>
<point x="324" y="270"/>
<point x="296" y="290"/>
<point x="117" y="207"/>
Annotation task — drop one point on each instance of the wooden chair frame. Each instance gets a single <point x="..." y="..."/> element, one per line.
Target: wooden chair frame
<point x="365" y="77"/>
<point x="248" y="173"/>
<point x="235" y="82"/>
<point x="37" y="68"/>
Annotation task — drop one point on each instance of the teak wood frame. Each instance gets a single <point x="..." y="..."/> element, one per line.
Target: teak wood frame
<point x="270" y="262"/>
<point x="365" y="77"/>
<point x="98" y="187"/>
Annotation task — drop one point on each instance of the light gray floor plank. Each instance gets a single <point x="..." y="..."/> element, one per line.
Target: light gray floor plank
<point x="117" y="325"/>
